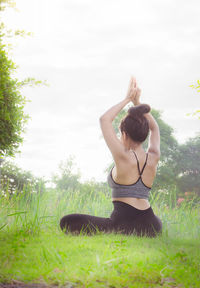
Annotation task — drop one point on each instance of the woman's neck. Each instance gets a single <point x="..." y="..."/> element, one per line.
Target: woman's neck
<point x="134" y="146"/>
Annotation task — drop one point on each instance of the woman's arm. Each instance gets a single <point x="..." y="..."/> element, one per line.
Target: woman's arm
<point x="114" y="144"/>
<point x="154" y="139"/>
<point x="110" y="114"/>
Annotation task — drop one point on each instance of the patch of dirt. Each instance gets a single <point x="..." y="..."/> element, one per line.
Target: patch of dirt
<point x="19" y="284"/>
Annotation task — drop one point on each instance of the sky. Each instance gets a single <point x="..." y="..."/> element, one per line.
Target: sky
<point x="87" y="51"/>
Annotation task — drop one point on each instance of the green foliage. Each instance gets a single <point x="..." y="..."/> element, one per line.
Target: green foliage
<point x="187" y="164"/>
<point x="6" y="3"/>
<point x="118" y="119"/>
<point x="168" y="143"/>
<point x="12" y="116"/>
<point x="197" y="87"/>
<point x="31" y="82"/>
<point x="13" y="119"/>
<point x="14" y="180"/>
<point x="166" y="172"/>
<point x="6" y="33"/>
<point x="67" y="178"/>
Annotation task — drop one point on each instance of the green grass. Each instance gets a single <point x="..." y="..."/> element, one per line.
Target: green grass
<point x="34" y="250"/>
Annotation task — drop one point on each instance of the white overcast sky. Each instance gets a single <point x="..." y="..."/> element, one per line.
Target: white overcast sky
<point x="87" y="50"/>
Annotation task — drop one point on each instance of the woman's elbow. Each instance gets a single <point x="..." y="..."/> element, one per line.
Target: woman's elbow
<point x="103" y="118"/>
<point x="156" y="152"/>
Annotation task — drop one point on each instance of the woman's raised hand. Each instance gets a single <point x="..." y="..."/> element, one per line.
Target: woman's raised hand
<point x="134" y="92"/>
<point x="136" y="99"/>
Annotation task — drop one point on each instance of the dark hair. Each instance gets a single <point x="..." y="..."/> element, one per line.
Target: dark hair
<point x="135" y="124"/>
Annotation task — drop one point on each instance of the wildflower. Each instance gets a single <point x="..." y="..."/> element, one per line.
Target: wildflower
<point x="180" y="200"/>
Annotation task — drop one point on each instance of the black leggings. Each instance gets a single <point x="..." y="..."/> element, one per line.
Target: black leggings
<point x="124" y="219"/>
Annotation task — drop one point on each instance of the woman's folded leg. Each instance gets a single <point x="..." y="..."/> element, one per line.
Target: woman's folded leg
<point x="124" y="219"/>
<point x="88" y="224"/>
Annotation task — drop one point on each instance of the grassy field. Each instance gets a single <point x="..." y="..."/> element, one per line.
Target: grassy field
<point x="34" y="250"/>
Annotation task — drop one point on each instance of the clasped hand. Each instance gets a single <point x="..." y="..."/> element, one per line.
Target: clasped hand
<point x="134" y="91"/>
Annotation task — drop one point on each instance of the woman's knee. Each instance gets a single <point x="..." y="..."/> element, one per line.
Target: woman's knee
<point x="85" y="223"/>
<point x="68" y="221"/>
<point x="76" y="223"/>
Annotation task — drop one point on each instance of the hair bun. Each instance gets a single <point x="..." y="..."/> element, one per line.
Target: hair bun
<point x="139" y="110"/>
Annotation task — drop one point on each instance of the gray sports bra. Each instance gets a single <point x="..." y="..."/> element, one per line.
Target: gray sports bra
<point x="136" y="190"/>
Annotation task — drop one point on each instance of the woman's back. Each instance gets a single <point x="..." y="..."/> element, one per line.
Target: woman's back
<point x="127" y="172"/>
<point x="139" y="167"/>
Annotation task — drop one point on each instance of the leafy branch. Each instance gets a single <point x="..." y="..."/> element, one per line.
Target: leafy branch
<point x="197" y="87"/>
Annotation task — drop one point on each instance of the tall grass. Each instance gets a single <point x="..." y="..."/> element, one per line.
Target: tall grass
<point x="32" y="212"/>
<point x="33" y="248"/>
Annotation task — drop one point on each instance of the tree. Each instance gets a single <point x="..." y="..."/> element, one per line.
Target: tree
<point x="187" y="164"/>
<point x="67" y="178"/>
<point x="14" y="180"/>
<point x="166" y="172"/>
<point x="12" y="116"/>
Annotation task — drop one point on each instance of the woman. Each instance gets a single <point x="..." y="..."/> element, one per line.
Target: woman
<point x="132" y="176"/>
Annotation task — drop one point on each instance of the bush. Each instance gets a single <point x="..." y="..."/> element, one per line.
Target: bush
<point x="14" y="180"/>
